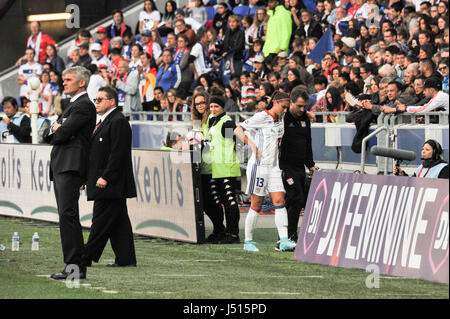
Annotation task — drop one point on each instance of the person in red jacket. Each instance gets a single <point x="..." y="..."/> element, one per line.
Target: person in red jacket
<point x="39" y="42"/>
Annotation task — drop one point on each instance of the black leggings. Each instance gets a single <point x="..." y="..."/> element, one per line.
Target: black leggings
<point x="219" y="195"/>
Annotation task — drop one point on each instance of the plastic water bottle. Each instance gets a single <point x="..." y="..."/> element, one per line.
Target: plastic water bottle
<point x="35" y="242"/>
<point x="15" y="242"/>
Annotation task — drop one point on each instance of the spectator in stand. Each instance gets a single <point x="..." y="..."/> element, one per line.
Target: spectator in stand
<point x="37" y="41"/>
<point x="118" y="27"/>
<point x="136" y="51"/>
<point x="308" y="27"/>
<point x="46" y="107"/>
<point x="103" y="40"/>
<point x="147" y="70"/>
<point x="192" y="23"/>
<point x="249" y="31"/>
<point x="199" y="59"/>
<point x="196" y="10"/>
<point x="220" y="21"/>
<point x="149" y="45"/>
<point x="234" y="43"/>
<point x="128" y="41"/>
<point x="328" y="64"/>
<point x="52" y="57"/>
<point x="419" y="95"/>
<point x="28" y="70"/>
<point x="260" y="22"/>
<point x="150" y="17"/>
<point x="85" y="59"/>
<point x="438" y="100"/>
<point x="181" y="58"/>
<point x="96" y="81"/>
<point x="247" y="88"/>
<point x="15" y="127"/>
<point x="98" y="58"/>
<point x="126" y="84"/>
<point x="169" y="73"/>
<point x="443" y="69"/>
<point x="181" y="27"/>
<point x="155" y="104"/>
<point x="166" y="25"/>
<point x="279" y="29"/>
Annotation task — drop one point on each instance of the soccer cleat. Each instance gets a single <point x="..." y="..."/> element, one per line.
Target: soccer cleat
<point x="287" y="245"/>
<point x="249" y="246"/>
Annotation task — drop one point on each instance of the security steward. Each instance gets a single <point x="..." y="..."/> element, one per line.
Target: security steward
<point x="225" y="167"/>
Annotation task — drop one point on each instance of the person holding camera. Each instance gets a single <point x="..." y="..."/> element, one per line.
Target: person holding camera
<point x="433" y="166"/>
<point x="15" y="127"/>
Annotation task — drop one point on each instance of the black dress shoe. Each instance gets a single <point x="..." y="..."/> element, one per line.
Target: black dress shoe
<point x="63" y="275"/>
<point x="117" y="265"/>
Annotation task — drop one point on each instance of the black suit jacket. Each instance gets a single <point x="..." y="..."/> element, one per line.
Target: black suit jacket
<point x="314" y="30"/>
<point x="72" y="140"/>
<point x="110" y="158"/>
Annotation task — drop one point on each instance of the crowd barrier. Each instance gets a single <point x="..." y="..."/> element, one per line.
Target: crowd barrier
<point x="168" y="203"/>
<point x="331" y="141"/>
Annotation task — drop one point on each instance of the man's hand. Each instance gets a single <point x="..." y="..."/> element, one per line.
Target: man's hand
<point x="55" y="127"/>
<point x="101" y="183"/>
<point x="367" y="104"/>
<point x="6" y="120"/>
<point x="401" y="107"/>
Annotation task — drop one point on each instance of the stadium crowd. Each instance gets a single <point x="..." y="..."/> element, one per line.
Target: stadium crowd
<point x="363" y="57"/>
<point x="383" y="52"/>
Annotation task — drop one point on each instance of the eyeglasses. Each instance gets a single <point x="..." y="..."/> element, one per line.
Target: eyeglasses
<point x="200" y="103"/>
<point x="443" y="68"/>
<point x="100" y="100"/>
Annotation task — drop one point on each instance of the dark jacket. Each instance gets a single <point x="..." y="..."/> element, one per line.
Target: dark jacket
<point x="221" y="23"/>
<point x="314" y="30"/>
<point x="234" y="41"/>
<point x="296" y="146"/>
<point x="71" y="141"/>
<point x="21" y="132"/>
<point x="110" y="158"/>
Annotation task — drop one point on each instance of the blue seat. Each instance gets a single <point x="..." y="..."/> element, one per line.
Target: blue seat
<point x="253" y="11"/>
<point x="241" y="11"/>
<point x="211" y="12"/>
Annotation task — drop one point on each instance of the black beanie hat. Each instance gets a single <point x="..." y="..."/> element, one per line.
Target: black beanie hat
<point x="217" y="99"/>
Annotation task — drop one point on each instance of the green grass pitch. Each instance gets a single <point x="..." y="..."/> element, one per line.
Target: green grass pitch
<point x="173" y="270"/>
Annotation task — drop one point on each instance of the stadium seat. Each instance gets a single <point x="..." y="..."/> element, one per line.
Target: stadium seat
<point x="164" y="39"/>
<point x="211" y="12"/>
<point x="241" y="11"/>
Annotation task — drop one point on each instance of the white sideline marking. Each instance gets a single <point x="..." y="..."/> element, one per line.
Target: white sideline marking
<point x="178" y="275"/>
<point x="44" y="276"/>
<point x="294" y="276"/>
<point x="110" y="291"/>
<point x="270" y="293"/>
<point x="381" y="294"/>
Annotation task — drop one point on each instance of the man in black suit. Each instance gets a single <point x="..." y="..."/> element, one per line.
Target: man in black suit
<point x="308" y="27"/>
<point x="110" y="182"/>
<point x="71" y="139"/>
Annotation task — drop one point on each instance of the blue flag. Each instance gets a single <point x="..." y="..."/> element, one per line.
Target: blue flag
<point x="310" y="5"/>
<point x="325" y="44"/>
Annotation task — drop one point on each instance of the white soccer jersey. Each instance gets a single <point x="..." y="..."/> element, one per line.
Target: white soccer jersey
<point x="266" y="132"/>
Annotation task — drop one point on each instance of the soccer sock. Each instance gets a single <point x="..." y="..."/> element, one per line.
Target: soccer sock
<point x="281" y="221"/>
<point x="250" y="223"/>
